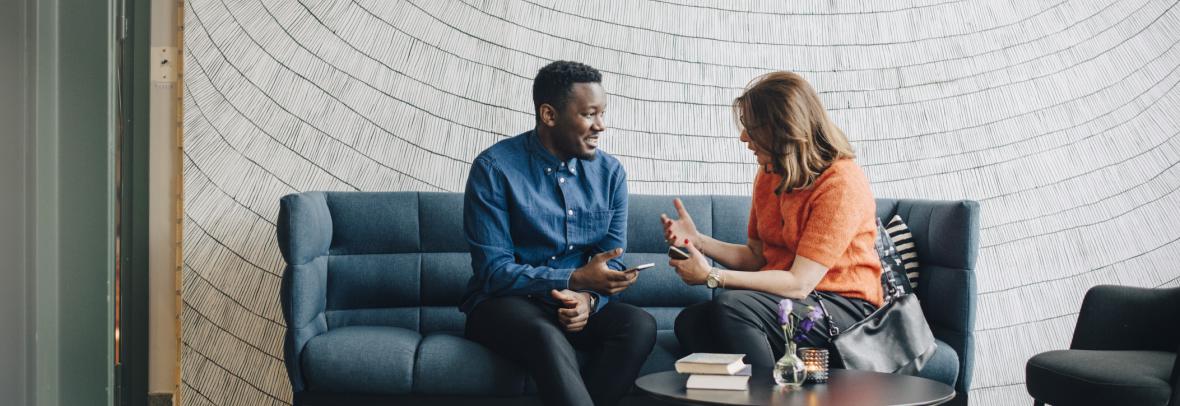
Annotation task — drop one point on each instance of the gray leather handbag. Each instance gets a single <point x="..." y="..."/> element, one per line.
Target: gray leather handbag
<point x="894" y="338"/>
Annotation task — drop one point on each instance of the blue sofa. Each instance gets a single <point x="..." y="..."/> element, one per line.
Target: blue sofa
<point x="373" y="280"/>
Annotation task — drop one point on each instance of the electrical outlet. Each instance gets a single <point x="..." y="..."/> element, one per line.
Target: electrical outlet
<point x="164" y="64"/>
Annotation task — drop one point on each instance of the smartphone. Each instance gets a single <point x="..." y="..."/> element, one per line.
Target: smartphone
<point x="677" y="253"/>
<point x="640" y="267"/>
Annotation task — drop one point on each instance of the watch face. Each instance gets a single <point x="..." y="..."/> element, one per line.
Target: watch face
<point x="711" y="282"/>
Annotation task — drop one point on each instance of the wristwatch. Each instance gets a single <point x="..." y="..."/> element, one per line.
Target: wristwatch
<point x="593" y="302"/>
<point x="714" y="278"/>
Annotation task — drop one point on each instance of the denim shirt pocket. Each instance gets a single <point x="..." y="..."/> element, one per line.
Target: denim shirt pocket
<point x="592" y="227"/>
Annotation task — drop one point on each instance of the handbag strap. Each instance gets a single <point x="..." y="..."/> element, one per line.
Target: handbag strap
<point x="833" y="331"/>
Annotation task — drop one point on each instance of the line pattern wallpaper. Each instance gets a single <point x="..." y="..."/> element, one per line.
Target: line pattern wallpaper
<point x="1058" y="116"/>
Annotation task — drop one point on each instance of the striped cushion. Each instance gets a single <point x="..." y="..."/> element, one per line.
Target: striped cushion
<point x="894" y="283"/>
<point x="903" y="240"/>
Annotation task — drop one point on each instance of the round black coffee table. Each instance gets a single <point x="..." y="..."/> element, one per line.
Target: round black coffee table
<point x="844" y="387"/>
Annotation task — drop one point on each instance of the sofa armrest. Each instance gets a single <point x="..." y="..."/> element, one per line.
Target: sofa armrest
<point x="1176" y="379"/>
<point x="946" y="234"/>
<point x="304" y="231"/>
<point x="948" y="297"/>
<point x="1128" y="318"/>
<point x="302" y="296"/>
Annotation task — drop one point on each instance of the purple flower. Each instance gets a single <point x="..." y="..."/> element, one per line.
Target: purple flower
<point x="815" y="313"/>
<point x="799" y="337"/>
<point x="806" y="325"/>
<point x="785" y="307"/>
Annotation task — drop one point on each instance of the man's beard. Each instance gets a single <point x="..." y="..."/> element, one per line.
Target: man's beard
<point x="573" y="148"/>
<point x="589" y="156"/>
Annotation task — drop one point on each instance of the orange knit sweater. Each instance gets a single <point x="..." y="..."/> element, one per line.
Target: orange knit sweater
<point x="833" y="222"/>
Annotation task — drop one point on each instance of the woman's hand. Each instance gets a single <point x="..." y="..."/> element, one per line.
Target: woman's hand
<point x="681" y="229"/>
<point x="695" y="269"/>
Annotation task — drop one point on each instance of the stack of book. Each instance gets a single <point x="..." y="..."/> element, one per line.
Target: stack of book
<point x="715" y="371"/>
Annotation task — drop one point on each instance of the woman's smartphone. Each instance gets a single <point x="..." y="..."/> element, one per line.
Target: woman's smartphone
<point x="641" y="267"/>
<point x="677" y="253"/>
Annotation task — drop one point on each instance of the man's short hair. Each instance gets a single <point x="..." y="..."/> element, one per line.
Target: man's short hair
<point x="555" y="82"/>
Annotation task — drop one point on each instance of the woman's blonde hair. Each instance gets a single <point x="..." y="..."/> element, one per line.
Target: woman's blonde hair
<point x="783" y="116"/>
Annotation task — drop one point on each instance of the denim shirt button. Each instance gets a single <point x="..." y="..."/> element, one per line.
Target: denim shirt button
<point x="570" y="212"/>
<point x="560" y="180"/>
<point x="571" y="248"/>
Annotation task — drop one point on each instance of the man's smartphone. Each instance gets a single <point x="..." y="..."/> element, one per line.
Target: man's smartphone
<point x="640" y="267"/>
<point x="677" y="253"/>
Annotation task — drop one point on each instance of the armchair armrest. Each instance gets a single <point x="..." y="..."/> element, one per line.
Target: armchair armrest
<point x="1128" y="318"/>
<point x="304" y="232"/>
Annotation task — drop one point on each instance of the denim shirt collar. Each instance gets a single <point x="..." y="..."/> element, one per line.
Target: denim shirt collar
<point x="544" y="160"/>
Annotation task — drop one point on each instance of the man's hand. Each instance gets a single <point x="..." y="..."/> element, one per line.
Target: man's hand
<point x="575" y="310"/>
<point x="596" y="276"/>
<point x="681" y="229"/>
<point x="695" y="269"/>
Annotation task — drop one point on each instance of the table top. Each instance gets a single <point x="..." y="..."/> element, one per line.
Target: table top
<point x="844" y="387"/>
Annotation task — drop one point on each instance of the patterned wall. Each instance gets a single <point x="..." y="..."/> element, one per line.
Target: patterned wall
<point x="1058" y="116"/>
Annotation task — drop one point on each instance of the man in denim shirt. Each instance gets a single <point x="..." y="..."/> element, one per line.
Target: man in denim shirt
<point x="545" y="214"/>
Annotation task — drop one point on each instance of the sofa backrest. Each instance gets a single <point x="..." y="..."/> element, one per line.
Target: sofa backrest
<point x="401" y="258"/>
<point x="659" y="290"/>
<point x="388" y="258"/>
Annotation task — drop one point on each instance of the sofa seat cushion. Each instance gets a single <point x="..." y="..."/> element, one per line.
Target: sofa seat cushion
<point x="375" y="360"/>
<point x="1087" y="377"/>
<point x="943" y="366"/>
<point x="448" y="364"/>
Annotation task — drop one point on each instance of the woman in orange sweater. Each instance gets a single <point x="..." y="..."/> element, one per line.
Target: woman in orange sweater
<point x="811" y="232"/>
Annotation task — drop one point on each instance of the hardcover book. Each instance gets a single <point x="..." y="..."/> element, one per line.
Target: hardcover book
<point x="740" y="380"/>
<point x="710" y="363"/>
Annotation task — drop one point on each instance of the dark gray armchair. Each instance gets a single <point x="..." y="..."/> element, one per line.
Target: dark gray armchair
<point x="1123" y="352"/>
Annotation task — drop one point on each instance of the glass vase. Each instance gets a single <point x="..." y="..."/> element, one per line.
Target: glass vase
<point x="790" y="370"/>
